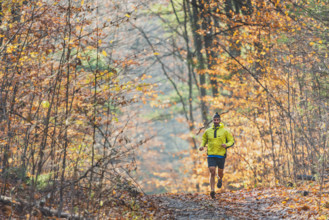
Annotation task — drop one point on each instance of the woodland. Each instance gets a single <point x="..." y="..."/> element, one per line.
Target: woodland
<point x="103" y="104"/>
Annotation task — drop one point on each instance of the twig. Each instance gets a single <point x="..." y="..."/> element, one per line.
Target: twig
<point x="45" y="211"/>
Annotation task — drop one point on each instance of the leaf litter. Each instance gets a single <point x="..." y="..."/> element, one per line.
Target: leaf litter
<point x="279" y="202"/>
<point x="258" y="203"/>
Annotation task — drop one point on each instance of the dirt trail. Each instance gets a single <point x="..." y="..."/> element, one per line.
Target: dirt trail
<point x="181" y="208"/>
<point x="271" y="204"/>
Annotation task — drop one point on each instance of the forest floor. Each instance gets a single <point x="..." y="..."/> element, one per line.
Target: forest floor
<point x="303" y="202"/>
<point x="259" y="203"/>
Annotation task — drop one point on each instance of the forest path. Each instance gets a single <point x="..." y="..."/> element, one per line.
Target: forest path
<point x="269" y="203"/>
<point x="182" y="207"/>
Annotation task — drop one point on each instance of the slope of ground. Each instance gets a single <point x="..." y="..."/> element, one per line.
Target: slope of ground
<point x="304" y="202"/>
<point x="269" y="203"/>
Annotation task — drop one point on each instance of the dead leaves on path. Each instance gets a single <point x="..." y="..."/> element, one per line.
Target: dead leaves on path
<point x="260" y="203"/>
<point x="277" y="202"/>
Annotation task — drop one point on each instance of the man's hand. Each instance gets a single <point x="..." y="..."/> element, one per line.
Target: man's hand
<point x="224" y="145"/>
<point x="201" y="148"/>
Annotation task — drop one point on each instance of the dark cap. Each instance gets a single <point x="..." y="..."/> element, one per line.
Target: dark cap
<point x="216" y="115"/>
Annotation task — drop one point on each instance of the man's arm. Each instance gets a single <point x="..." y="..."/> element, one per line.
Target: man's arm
<point x="229" y="139"/>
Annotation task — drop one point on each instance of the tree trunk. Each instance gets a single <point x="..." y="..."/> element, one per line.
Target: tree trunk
<point x="195" y="16"/>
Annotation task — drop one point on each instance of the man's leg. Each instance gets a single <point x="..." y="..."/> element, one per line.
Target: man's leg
<point x="220" y="172"/>
<point x="212" y="171"/>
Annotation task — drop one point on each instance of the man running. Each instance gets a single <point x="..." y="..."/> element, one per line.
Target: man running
<point x="218" y="139"/>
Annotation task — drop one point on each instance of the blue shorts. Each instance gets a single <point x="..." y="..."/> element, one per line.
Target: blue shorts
<point x="216" y="162"/>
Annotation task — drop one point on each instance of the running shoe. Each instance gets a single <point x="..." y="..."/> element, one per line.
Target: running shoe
<point x="212" y="194"/>
<point x="219" y="184"/>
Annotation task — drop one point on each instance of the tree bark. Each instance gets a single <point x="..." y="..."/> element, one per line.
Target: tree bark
<point x="195" y="17"/>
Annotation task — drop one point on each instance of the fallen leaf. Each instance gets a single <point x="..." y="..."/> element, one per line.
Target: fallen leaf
<point x="305" y="207"/>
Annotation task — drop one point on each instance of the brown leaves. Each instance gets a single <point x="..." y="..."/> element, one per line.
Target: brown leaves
<point x="305" y="207"/>
<point x="6" y="210"/>
<point x="278" y="202"/>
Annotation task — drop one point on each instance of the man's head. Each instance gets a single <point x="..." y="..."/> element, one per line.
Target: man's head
<point x="216" y="119"/>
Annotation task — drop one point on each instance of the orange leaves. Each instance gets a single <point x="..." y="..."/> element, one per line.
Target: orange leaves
<point x="261" y="203"/>
<point x="11" y="48"/>
<point x="163" y="175"/>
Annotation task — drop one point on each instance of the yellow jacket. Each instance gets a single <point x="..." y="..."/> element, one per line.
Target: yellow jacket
<point x="215" y="138"/>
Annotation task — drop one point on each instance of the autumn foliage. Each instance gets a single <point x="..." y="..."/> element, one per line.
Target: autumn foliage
<point x="62" y="102"/>
<point x="263" y="65"/>
<point x="72" y="97"/>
